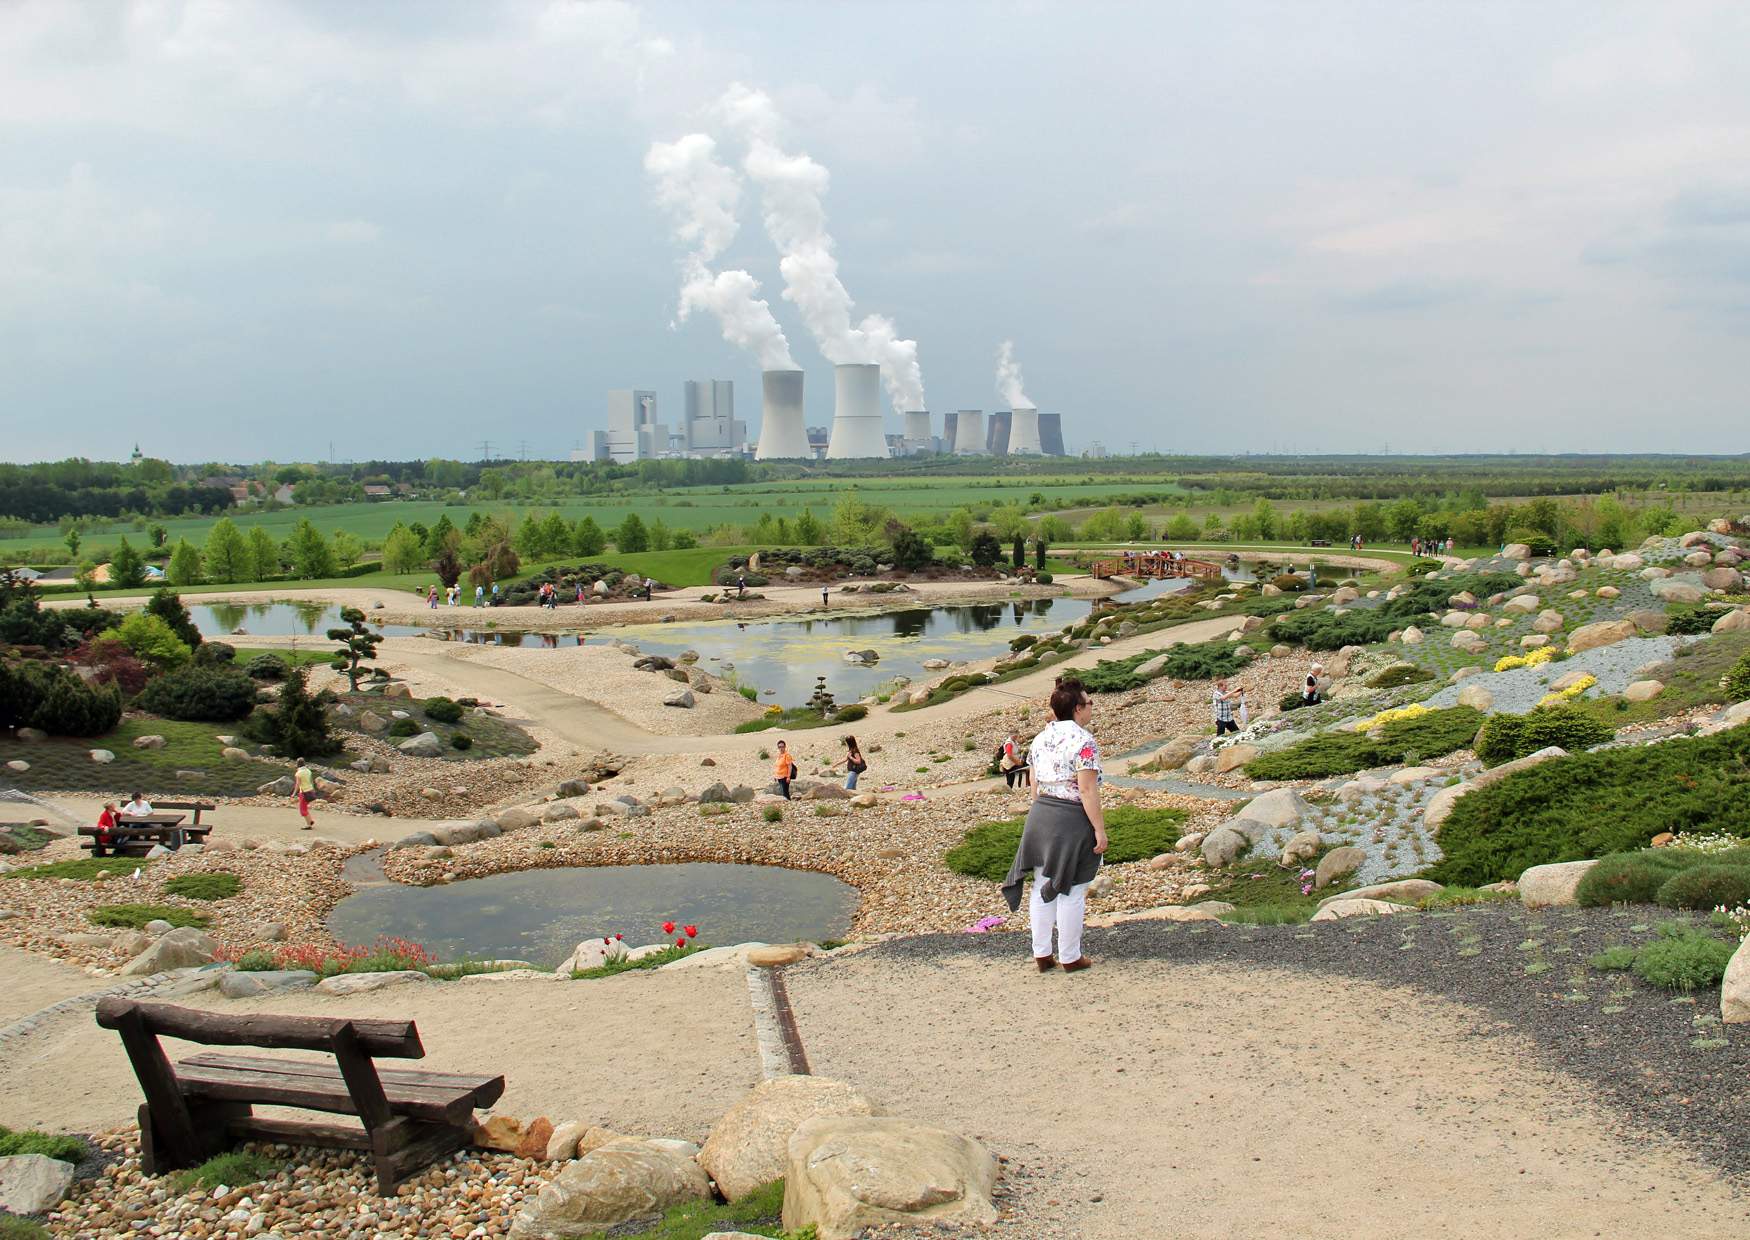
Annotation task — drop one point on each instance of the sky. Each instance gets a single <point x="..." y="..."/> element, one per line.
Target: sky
<point x="246" y="231"/>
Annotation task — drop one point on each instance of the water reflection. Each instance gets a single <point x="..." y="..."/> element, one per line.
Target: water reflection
<point x="540" y="915"/>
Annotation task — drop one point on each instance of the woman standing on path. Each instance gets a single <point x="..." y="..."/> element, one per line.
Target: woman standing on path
<point x="855" y="763"/>
<point x="304" y="788"/>
<point x="1065" y="832"/>
<point x="1014" y="766"/>
<point x="784" y="770"/>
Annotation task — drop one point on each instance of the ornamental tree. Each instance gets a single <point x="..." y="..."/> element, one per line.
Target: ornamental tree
<point x="227" y="556"/>
<point x="127" y="569"/>
<point x="357" y="643"/>
<point x="185" y="565"/>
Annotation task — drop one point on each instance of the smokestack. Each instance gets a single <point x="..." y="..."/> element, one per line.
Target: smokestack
<point x="856" y="417"/>
<point x="1024" y="433"/>
<point x="782" y="433"/>
<point x="969" y="433"/>
<point x="917" y="429"/>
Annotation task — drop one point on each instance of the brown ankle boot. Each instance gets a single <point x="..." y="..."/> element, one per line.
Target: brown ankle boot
<point x="1045" y="963"/>
<point x="1078" y="964"/>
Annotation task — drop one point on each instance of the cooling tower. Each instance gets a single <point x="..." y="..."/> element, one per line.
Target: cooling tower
<point x="856" y="415"/>
<point x="969" y="433"/>
<point x="782" y="434"/>
<point x="1024" y="433"/>
<point x="917" y="428"/>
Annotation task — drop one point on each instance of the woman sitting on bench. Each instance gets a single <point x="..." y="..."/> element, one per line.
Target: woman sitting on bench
<point x="106" y="825"/>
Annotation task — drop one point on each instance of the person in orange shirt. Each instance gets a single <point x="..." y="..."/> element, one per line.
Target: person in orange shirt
<point x="784" y="770"/>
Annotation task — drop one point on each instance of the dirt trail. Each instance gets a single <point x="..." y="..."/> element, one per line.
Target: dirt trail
<point x="29" y="983"/>
<point x="1152" y="1099"/>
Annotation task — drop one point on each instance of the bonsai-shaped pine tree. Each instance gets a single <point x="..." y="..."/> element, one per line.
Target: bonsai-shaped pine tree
<point x="357" y="643"/>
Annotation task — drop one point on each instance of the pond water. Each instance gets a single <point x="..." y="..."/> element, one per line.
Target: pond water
<point x="278" y="620"/>
<point x="541" y="915"/>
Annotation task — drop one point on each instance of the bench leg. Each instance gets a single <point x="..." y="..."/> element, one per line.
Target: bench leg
<point x="404" y="1146"/>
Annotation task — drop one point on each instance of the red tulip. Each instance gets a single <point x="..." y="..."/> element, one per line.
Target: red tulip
<point x="692" y="932"/>
<point x="604" y="938"/>
<point x="618" y="937"/>
<point x="680" y="942"/>
<point x="668" y="927"/>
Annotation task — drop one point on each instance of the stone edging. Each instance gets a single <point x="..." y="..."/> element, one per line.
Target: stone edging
<point x="774" y="1027"/>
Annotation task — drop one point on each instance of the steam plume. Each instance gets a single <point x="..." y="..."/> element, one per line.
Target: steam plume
<point x="701" y="195"/>
<point x="1009" y="377"/>
<point x="791" y="189"/>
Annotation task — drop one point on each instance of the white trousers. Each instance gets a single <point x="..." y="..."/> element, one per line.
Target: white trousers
<point x="1067" y="910"/>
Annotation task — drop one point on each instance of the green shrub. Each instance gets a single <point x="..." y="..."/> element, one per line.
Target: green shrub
<point x="266" y="667"/>
<point x="404" y="727"/>
<point x="205" y="694"/>
<point x="56" y="700"/>
<point x="1043" y="579"/>
<point x="215" y="652"/>
<point x="135" y="916"/>
<point x="1340" y="753"/>
<point x="1736" y="682"/>
<point x="1199" y="661"/>
<point x="298" y="723"/>
<point x="1615" y="959"/>
<point x="1288" y="582"/>
<point x="1594" y="804"/>
<point x="772" y="813"/>
<point x="1539" y="542"/>
<point x="82" y="868"/>
<point x="1628" y="878"/>
<point x="48" y="1144"/>
<point x="1023" y="642"/>
<point x="749" y="692"/>
<point x="1690" y="621"/>
<point x="850" y="714"/>
<point x="1134" y="834"/>
<point x="21" y="1229"/>
<point x="232" y="1170"/>
<point x="461" y="740"/>
<point x="1507" y="737"/>
<point x="215" y="886"/>
<point x="1323" y="630"/>
<point x="1398" y="674"/>
<point x="1683" y="958"/>
<point x="442" y="709"/>
<point x="1707" y="886"/>
<point x="257" y="960"/>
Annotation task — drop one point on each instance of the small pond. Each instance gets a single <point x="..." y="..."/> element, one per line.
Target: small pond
<point x="541" y="915"/>
<point x="278" y="620"/>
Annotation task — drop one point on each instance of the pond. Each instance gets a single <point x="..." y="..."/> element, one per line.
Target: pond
<point x="278" y="620"/>
<point x="541" y="915"/>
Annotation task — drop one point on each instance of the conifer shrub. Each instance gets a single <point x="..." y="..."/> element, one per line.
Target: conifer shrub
<point x="1707" y="886"/>
<point x="1507" y="737"/>
<point x="209" y="694"/>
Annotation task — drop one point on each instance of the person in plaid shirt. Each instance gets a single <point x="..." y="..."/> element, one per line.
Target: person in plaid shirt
<point x="1223" y="698"/>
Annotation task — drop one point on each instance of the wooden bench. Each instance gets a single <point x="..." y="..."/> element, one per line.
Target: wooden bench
<point x="131" y="838"/>
<point x="202" y="1105"/>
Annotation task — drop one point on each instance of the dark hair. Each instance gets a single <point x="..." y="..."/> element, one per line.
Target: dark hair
<point x="1066" y="697"/>
<point x="851" y="743"/>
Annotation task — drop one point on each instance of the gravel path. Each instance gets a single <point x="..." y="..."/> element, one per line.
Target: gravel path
<point x="1519" y="690"/>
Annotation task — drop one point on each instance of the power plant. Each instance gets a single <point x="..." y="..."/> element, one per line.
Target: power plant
<point x="969" y="433"/>
<point x="917" y="438"/>
<point x="856" y="415"/>
<point x="783" y="430"/>
<point x="1024" y="432"/>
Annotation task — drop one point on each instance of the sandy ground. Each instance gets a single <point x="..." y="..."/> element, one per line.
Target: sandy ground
<point x="644" y="1053"/>
<point x="1155" y="1099"/>
<point x="30" y="982"/>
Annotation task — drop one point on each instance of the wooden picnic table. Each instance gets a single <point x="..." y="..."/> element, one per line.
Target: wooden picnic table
<point x="135" y="836"/>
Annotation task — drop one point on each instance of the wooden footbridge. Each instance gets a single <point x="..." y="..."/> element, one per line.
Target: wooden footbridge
<point x="1155" y="566"/>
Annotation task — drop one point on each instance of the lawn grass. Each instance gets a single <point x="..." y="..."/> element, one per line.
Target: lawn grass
<point x="21" y="1229"/>
<point x="1135" y="834"/>
<point x="493" y="737"/>
<point x="82" y="868"/>
<point x="757" y="1214"/>
<point x="293" y="658"/>
<point x="63" y="764"/>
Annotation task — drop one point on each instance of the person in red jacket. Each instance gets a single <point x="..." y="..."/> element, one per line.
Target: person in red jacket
<point x="106" y="824"/>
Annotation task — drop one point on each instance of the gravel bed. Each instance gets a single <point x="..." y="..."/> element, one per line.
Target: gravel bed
<point x="1519" y="690"/>
<point x="1660" y="1063"/>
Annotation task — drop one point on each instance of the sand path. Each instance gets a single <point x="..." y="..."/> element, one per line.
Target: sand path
<point x="1152" y="1099"/>
<point x="29" y="983"/>
<point x="643" y="1053"/>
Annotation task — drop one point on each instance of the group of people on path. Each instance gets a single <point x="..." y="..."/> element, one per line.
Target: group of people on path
<point x="1430" y="546"/>
<point x="453" y="596"/>
<point x="785" y="770"/>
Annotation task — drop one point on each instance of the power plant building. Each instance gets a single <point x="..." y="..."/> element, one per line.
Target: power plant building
<point x="1023" y="432"/>
<point x="634" y="434"/>
<point x="996" y="433"/>
<point x="1051" y="434"/>
<point x="857" y="432"/>
<point x="783" y="434"/>
<point x="709" y="427"/>
<point x="969" y="437"/>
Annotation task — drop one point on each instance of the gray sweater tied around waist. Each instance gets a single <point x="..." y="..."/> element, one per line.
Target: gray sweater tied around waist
<point x="1058" y="840"/>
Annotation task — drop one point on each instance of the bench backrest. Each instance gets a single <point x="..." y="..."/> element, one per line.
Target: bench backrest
<point x="183" y="805"/>
<point x="393" y="1039"/>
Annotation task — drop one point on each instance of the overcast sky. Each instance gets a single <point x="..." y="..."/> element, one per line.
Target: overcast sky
<point x="240" y="231"/>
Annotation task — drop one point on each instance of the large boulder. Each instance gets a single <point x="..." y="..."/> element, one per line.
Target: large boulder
<point x="1282" y="807"/>
<point x="249" y="985"/>
<point x="516" y="818"/>
<point x="1232" y="757"/>
<point x="613" y="1184"/>
<point x="371" y="721"/>
<point x="1401" y="891"/>
<point x="1338" y="909"/>
<point x="592" y="954"/>
<point x="33" y="1184"/>
<point x="1338" y="863"/>
<point x="1544" y="885"/>
<point x="1477" y="697"/>
<point x="182" y="947"/>
<point x="1516" y="551"/>
<point x="1735" y="988"/>
<point x="1300" y="850"/>
<point x="1673" y="590"/>
<point x="425" y="745"/>
<point x="1548" y="621"/>
<point x="1736" y="621"/>
<point x="1177" y="752"/>
<point x="682" y="698"/>
<point x="1643" y="690"/>
<point x="1522" y="604"/>
<point x="847" y="1174"/>
<point x="1728" y="579"/>
<point x="1599" y="633"/>
<point x="1224" y="846"/>
<point x="361" y="983"/>
<point x="750" y="1145"/>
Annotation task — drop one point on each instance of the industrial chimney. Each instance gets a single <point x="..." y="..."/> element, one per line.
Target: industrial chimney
<point x="1024" y="432"/>
<point x="782" y="433"/>
<point x="856" y="417"/>
<point x="969" y="433"/>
